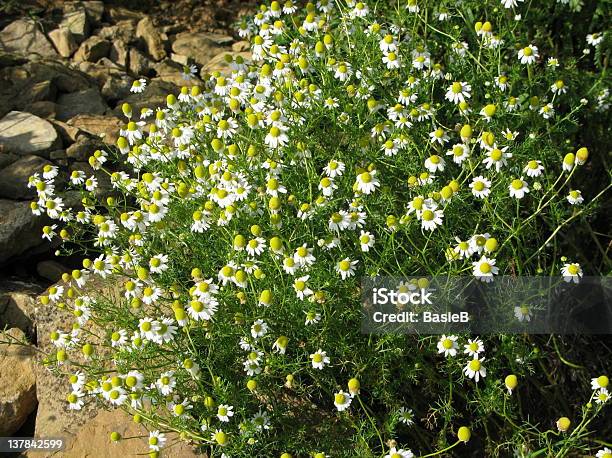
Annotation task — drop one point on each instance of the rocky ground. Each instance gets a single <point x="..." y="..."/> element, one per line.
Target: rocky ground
<point x="65" y="70"/>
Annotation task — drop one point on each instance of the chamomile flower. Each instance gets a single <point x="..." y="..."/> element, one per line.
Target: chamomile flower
<point x="319" y="359"/>
<point x="399" y="453"/>
<point x="594" y="39"/>
<point x="604" y="453"/>
<point x="473" y="347"/>
<point x="600" y="382"/>
<point x="528" y="54"/>
<point x="518" y="188"/>
<point x="602" y="396"/>
<point x="575" y="197"/>
<point x="534" y="168"/>
<point x="156" y="440"/>
<point x="366" y="241"/>
<point x="448" y="345"/>
<point x="138" y="85"/>
<point x="458" y="92"/>
<point x="480" y="186"/>
<point x="523" y="313"/>
<point x="367" y="182"/>
<point x="406" y="416"/>
<point x="430" y="218"/>
<point x="571" y="272"/>
<point x="459" y="152"/>
<point x="474" y="369"/>
<point x="346" y="268"/>
<point x="484" y="269"/>
<point x="259" y="329"/>
<point x="342" y="400"/>
<point x="225" y="412"/>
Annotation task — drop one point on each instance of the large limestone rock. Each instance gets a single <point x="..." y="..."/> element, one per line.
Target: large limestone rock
<point x="24" y="133"/>
<point x="76" y="21"/>
<point x="20" y="230"/>
<point x="105" y="127"/>
<point x="17" y="382"/>
<point x="88" y="101"/>
<point x="220" y="62"/>
<point x="18" y="304"/>
<point x="24" y="37"/>
<point x="64" y="41"/>
<point x="92" y="50"/>
<point x="94" y="9"/>
<point x="152" y="38"/>
<point x="201" y="47"/>
<point x="14" y="178"/>
<point x="86" y="431"/>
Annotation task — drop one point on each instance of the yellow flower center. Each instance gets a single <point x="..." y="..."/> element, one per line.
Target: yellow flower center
<point x="485" y="267"/>
<point x="475" y="365"/>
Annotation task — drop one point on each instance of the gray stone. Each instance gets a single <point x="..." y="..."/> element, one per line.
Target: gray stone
<point x="18" y="305"/>
<point x="92" y="50"/>
<point x="83" y="148"/>
<point x="64" y="41"/>
<point x="201" y="47"/>
<point x="148" y="32"/>
<point x="119" y="53"/>
<point x="51" y="270"/>
<point x="76" y="21"/>
<point x="20" y="230"/>
<point x="93" y="8"/>
<point x="104" y="127"/>
<point x="139" y="64"/>
<point x="43" y="109"/>
<point x="122" y="30"/>
<point x="116" y="88"/>
<point x="179" y="58"/>
<point x="88" y="101"/>
<point x="14" y="178"/>
<point x="24" y="37"/>
<point x="17" y="382"/>
<point x="24" y="133"/>
<point x="122" y="14"/>
<point x="172" y="72"/>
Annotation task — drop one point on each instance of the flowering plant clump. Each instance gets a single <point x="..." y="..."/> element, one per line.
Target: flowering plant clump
<point x="364" y="138"/>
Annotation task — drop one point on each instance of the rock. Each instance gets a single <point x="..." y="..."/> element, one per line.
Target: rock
<point x="119" y="53"/>
<point x="86" y="431"/>
<point x="101" y="73"/>
<point x="240" y="46"/>
<point x="17" y="383"/>
<point x="18" y="305"/>
<point x="179" y="58"/>
<point x="93" y="8"/>
<point x="51" y="270"/>
<point x="24" y="133"/>
<point x="172" y="72"/>
<point x="105" y="127"/>
<point x="92" y="439"/>
<point x="122" y="30"/>
<point x="88" y="101"/>
<point x="116" y="88"/>
<point x="220" y="63"/>
<point x="10" y="60"/>
<point x="64" y="41"/>
<point x="139" y="64"/>
<point x="43" y="109"/>
<point x="43" y="90"/>
<point x="69" y="133"/>
<point x="92" y="50"/>
<point x="14" y="178"/>
<point x="76" y="21"/>
<point x="83" y="148"/>
<point x="24" y="37"/>
<point x="58" y="155"/>
<point x="117" y="14"/>
<point x="20" y="230"/>
<point x="153" y="97"/>
<point x="148" y="32"/>
<point x="201" y="47"/>
<point x="65" y="79"/>
<point x="7" y="159"/>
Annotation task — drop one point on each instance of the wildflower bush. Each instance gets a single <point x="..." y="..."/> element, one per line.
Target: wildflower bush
<point x="364" y="138"/>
